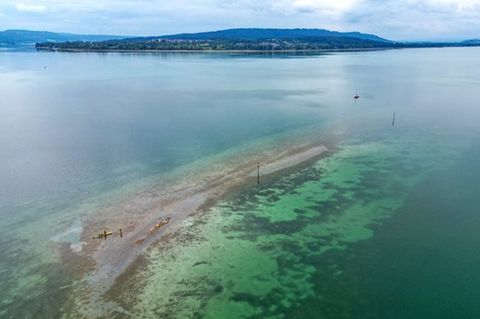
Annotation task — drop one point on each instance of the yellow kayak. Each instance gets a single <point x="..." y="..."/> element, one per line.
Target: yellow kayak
<point x="104" y="235"/>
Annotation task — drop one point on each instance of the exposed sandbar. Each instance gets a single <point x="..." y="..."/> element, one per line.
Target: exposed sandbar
<point x="138" y="214"/>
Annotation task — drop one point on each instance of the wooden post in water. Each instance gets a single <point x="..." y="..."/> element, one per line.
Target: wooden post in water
<point x="393" y="120"/>
<point x="258" y="172"/>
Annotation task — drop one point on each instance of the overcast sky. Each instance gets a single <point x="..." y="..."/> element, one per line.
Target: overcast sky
<point x="393" y="19"/>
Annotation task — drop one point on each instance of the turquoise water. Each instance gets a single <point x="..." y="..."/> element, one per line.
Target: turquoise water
<point x="306" y="246"/>
<point x="383" y="227"/>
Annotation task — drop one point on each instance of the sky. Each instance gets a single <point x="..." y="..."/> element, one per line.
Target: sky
<point x="400" y="20"/>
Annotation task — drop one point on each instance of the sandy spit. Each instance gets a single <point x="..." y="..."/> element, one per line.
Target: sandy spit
<point x="138" y="214"/>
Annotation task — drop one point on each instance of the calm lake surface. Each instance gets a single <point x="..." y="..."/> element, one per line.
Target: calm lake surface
<point x="386" y="226"/>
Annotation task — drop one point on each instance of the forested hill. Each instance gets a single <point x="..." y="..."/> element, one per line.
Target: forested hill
<point x="301" y="44"/>
<point x="472" y="41"/>
<point x="254" y="34"/>
<point x="247" y="40"/>
<point x="255" y="39"/>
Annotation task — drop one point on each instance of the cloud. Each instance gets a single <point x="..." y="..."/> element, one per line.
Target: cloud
<point x="325" y="6"/>
<point x="458" y="5"/>
<point x="394" y="19"/>
<point x="22" y="7"/>
<point x="291" y="7"/>
<point x="419" y="20"/>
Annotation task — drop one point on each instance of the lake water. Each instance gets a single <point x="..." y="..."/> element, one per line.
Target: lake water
<point x="385" y="226"/>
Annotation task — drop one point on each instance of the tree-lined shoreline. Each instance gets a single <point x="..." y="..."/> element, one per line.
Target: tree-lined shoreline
<point x="262" y="45"/>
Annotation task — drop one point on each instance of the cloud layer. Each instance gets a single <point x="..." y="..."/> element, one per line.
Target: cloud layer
<point x="394" y="19"/>
<point x="21" y="7"/>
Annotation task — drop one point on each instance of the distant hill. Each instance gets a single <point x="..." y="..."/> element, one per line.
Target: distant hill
<point x="32" y="37"/>
<point x="254" y="39"/>
<point x="472" y="41"/>
<point x="254" y="34"/>
<point x="168" y="44"/>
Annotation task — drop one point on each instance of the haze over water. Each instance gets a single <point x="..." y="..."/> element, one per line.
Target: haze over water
<point x="384" y="226"/>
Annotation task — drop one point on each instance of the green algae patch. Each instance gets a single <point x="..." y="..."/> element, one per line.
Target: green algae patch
<point x="257" y="255"/>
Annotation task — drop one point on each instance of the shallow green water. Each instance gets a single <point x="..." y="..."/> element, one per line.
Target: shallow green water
<point x="385" y="226"/>
<point x="287" y="249"/>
